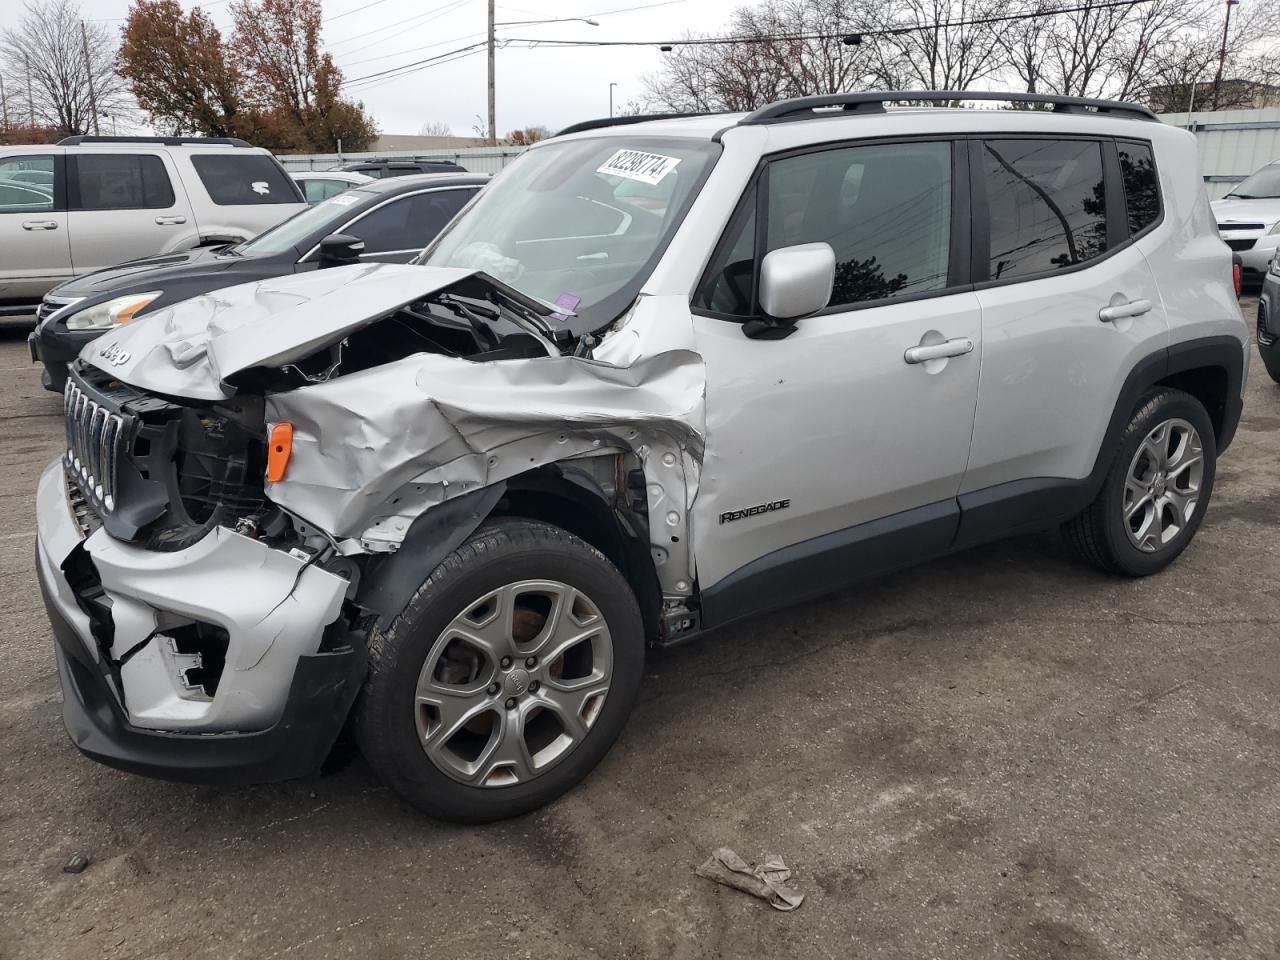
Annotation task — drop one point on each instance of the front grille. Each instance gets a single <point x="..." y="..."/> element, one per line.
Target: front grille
<point x="1241" y="226"/>
<point x="51" y="305"/>
<point x="1265" y="337"/>
<point x="95" y="445"/>
<point x="1244" y="244"/>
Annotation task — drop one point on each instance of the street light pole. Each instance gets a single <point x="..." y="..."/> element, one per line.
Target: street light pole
<point x="1222" y="53"/>
<point x="611" y="86"/>
<point x="493" y="132"/>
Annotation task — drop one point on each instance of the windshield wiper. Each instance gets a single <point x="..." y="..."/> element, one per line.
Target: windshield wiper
<point x="1241" y="196"/>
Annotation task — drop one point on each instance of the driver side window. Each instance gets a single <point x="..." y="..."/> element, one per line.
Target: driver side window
<point x="885" y="210"/>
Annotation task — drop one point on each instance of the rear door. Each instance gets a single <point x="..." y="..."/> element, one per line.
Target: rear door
<point x="238" y="192"/>
<point x="1069" y="306"/>
<point x="35" y="253"/>
<point x="123" y="206"/>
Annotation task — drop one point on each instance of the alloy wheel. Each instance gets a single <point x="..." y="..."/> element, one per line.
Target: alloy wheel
<point x="514" y="683"/>
<point x="1162" y="487"/>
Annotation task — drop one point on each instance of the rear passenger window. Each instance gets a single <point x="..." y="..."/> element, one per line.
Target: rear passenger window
<point x="1141" y="190"/>
<point x="239" y="179"/>
<point x="119" y="181"/>
<point x="884" y="209"/>
<point x="1047" y="204"/>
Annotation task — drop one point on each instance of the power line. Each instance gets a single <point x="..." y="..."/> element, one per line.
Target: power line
<point x="424" y="17"/>
<point x="405" y="69"/>
<point x="873" y="32"/>
<point x="347" y="13"/>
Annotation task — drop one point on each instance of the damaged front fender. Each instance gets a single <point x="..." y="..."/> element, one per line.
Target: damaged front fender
<point x="374" y="450"/>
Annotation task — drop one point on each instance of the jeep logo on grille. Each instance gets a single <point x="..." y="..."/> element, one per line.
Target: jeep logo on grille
<point x="114" y="355"/>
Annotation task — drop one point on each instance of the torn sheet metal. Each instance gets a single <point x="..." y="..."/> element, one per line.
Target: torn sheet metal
<point x="766" y="880"/>
<point x="190" y="348"/>
<point x="374" y="449"/>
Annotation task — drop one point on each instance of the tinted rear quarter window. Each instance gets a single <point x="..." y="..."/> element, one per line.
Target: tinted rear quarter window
<point x="119" y="181"/>
<point x="1047" y="204"/>
<point x="244" y="179"/>
<point x="1141" y="188"/>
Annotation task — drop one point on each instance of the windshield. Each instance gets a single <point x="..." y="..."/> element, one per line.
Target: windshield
<point x="579" y="223"/>
<point x="293" y="233"/>
<point x="1263" y="184"/>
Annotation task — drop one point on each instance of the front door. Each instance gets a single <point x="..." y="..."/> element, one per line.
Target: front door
<point x="838" y="451"/>
<point x="35" y="254"/>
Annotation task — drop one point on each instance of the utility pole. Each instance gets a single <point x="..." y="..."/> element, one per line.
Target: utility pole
<point x="493" y="120"/>
<point x="1222" y="53"/>
<point x="4" y="105"/>
<point x="88" y="73"/>
<point x="611" y="86"/>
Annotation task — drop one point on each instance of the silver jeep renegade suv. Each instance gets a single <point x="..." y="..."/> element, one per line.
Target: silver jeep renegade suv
<point x="657" y="378"/>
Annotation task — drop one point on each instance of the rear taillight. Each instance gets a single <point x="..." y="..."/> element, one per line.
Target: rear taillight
<point x="1235" y="277"/>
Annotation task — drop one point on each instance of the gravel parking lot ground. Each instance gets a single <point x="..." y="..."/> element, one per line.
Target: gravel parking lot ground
<point x="1002" y="754"/>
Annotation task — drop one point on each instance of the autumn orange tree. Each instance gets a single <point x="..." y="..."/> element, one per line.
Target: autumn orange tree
<point x="271" y="82"/>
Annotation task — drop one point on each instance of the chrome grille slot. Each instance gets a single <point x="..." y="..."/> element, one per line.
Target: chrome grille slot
<point x="94" y="436"/>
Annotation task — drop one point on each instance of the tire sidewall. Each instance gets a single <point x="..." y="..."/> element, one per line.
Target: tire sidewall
<point x="387" y="705"/>
<point x="1168" y="406"/>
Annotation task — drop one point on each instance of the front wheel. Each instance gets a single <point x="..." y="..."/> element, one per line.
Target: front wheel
<point x="1155" y="495"/>
<point x="507" y="677"/>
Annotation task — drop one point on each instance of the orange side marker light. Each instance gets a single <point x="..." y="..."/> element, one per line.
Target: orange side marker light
<point x="279" y="446"/>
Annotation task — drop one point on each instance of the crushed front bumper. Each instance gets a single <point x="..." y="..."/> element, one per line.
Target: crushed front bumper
<point x="289" y="676"/>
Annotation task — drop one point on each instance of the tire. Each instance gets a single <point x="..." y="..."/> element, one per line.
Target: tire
<point x="451" y="638"/>
<point x="1166" y="504"/>
<point x="1271" y="359"/>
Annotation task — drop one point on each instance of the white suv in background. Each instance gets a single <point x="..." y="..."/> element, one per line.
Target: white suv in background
<point x="1249" y="219"/>
<point x="86" y="203"/>
<point x="658" y="377"/>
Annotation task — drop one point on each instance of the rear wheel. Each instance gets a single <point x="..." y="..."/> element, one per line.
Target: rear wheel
<point x="506" y="678"/>
<point x="1156" y="492"/>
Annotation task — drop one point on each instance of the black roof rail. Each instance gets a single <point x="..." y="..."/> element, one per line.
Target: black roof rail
<point x="162" y="141"/>
<point x="803" y="108"/>
<point x="623" y="121"/>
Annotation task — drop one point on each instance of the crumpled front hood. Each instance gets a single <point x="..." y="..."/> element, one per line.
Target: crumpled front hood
<point x="1230" y="210"/>
<point x="190" y="348"/>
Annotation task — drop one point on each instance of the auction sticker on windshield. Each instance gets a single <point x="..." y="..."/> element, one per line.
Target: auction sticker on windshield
<point x="648" y="168"/>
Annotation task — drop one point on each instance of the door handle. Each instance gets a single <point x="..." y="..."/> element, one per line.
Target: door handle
<point x="169" y="221"/>
<point x="39" y="224"/>
<point x="1134" y="308"/>
<point x="936" y="351"/>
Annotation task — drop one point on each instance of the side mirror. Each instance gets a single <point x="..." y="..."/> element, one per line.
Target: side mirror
<point x="339" y="250"/>
<point x="796" y="281"/>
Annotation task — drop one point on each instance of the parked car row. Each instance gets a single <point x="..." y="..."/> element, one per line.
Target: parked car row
<point x="658" y="377"/>
<point x="387" y="221"/>
<point x="91" y="202"/>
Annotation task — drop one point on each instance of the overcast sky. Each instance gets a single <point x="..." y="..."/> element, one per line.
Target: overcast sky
<point x="548" y="86"/>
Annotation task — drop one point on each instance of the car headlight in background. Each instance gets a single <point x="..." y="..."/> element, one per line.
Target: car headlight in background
<point x="104" y="316"/>
<point x="1275" y="229"/>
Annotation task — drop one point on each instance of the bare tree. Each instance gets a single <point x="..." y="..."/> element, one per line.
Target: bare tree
<point x="60" y="68"/>
<point x="435" y="128"/>
<point x="938" y="44"/>
<point x="776" y="55"/>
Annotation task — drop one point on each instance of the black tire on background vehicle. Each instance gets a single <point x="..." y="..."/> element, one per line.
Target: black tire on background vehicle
<point x="507" y="676"/>
<point x="1157" y="489"/>
<point x="1271" y="360"/>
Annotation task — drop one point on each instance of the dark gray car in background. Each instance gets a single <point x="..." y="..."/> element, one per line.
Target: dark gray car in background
<point x="386" y="221"/>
